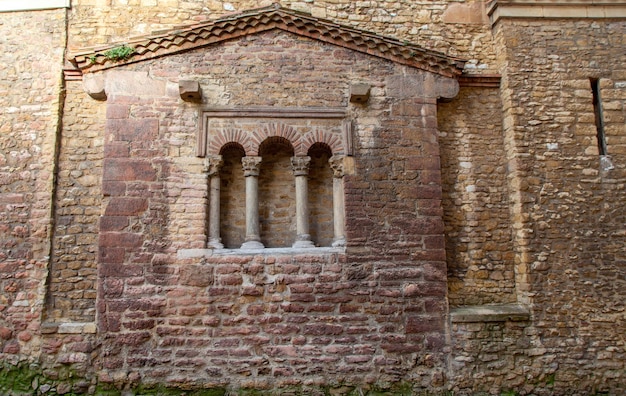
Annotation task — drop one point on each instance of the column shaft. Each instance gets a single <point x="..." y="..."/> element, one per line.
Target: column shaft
<point x="301" y="172"/>
<point x="213" y="165"/>
<point x="337" y="165"/>
<point x="251" y="173"/>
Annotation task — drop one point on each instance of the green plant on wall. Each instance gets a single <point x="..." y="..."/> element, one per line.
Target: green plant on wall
<point x="119" y="53"/>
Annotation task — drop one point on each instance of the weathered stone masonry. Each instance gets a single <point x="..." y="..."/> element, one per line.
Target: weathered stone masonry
<point x="467" y="240"/>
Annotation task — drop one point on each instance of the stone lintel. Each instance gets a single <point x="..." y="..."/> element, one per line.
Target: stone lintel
<point x="500" y="9"/>
<point x="490" y="313"/>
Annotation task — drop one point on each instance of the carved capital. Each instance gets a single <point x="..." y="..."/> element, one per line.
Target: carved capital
<point x="251" y="166"/>
<point x="213" y="164"/>
<point x="337" y="165"/>
<point x="300" y="165"/>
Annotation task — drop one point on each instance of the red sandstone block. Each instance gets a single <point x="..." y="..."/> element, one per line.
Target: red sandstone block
<point x="401" y="348"/>
<point x="230" y="280"/>
<point x="424" y="324"/>
<point x="117" y="111"/>
<point x="117" y="150"/>
<point x="126" y="206"/>
<point x="129" y="130"/>
<point x="113" y="223"/>
<point x="132" y="339"/>
<point x="303" y="297"/>
<point x="435" y="271"/>
<point x="113" y="255"/>
<point x="423" y="163"/>
<point x="322" y="329"/>
<point x="120" y="270"/>
<point x="113" y="188"/>
<point x="428" y="255"/>
<point x="120" y="239"/>
<point x="122" y="169"/>
<point x="294" y="308"/>
<point x="426" y="289"/>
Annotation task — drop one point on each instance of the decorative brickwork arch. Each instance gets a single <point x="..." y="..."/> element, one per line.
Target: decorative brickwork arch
<point x="276" y="130"/>
<point x="333" y="141"/>
<point x="223" y="137"/>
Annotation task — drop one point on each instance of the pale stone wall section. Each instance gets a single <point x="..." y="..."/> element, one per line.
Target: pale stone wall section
<point x="30" y="81"/>
<point x="457" y="28"/>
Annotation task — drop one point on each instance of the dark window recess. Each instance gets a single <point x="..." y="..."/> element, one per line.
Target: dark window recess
<point x="597" y="109"/>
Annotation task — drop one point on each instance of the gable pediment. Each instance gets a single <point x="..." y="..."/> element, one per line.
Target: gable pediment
<point x="265" y="19"/>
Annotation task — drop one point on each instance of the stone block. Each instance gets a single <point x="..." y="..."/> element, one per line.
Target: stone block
<point x="190" y="91"/>
<point x="94" y="85"/>
<point x="359" y="93"/>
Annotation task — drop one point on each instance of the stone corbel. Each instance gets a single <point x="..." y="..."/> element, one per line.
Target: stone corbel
<point x="359" y="93"/>
<point x="190" y="91"/>
<point x="93" y="84"/>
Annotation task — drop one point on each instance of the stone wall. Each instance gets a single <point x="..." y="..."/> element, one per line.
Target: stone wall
<point x="476" y="199"/>
<point x="30" y="102"/>
<point x="531" y="212"/>
<point x="453" y="27"/>
<point x="568" y="212"/>
<point x="372" y="314"/>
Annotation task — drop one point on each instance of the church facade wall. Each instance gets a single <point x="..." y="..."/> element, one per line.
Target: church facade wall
<point x="484" y="234"/>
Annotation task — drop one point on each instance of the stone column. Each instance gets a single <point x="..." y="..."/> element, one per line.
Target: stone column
<point x="251" y="173"/>
<point x="301" y="172"/>
<point x="337" y="165"/>
<point x="212" y="166"/>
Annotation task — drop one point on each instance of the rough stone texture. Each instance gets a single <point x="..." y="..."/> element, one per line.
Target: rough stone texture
<point x="479" y="246"/>
<point x="30" y="82"/>
<point x="73" y="267"/>
<point x="512" y="178"/>
<point x="256" y="320"/>
<point x="428" y="23"/>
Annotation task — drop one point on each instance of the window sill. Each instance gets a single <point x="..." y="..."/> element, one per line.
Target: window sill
<point x="200" y="253"/>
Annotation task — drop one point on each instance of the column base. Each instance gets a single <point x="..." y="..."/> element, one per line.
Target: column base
<point x="341" y="242"/>
<point x="303" y="244"/>
<point x="252" y="245"/>
<point x="215" y="244"/>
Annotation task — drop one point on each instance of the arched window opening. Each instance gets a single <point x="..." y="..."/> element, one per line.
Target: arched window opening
<point x="232" y="197"/>
<point x="277" y="196"/>
<point x="320" y="195"/>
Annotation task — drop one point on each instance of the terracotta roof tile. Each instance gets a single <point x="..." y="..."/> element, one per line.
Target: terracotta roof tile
<point x="268" y="18"/>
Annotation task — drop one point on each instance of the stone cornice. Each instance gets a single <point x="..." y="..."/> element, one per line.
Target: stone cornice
<point x="500" y="9"/>
<point x="265" y="19"/>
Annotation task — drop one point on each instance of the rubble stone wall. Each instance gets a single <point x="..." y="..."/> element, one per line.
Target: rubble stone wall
<point x="31" y="64"/>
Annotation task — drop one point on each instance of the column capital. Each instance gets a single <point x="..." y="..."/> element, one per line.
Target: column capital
<point x="337" y="165"/>
<point x="300" y="165"/>
<point x="212" y="164"/>
<point x="251" y="166"/>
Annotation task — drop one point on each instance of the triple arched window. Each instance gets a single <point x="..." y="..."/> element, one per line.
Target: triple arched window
<point x="275" y="184"/>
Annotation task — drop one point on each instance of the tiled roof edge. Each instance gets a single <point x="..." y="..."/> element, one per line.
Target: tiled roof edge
<point x="267" y="18"/>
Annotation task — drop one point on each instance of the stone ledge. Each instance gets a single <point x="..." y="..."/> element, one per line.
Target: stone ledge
<point x="68" y="328"/>
<point x="199" y="253"/>
<point x="490" y="313"/>
<point x="499" y="9"/>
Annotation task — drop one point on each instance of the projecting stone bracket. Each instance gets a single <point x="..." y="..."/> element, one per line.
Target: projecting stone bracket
<point x="94" y="85"/>
<point x="190" y="91"/>
<point x="359" y="93"/>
